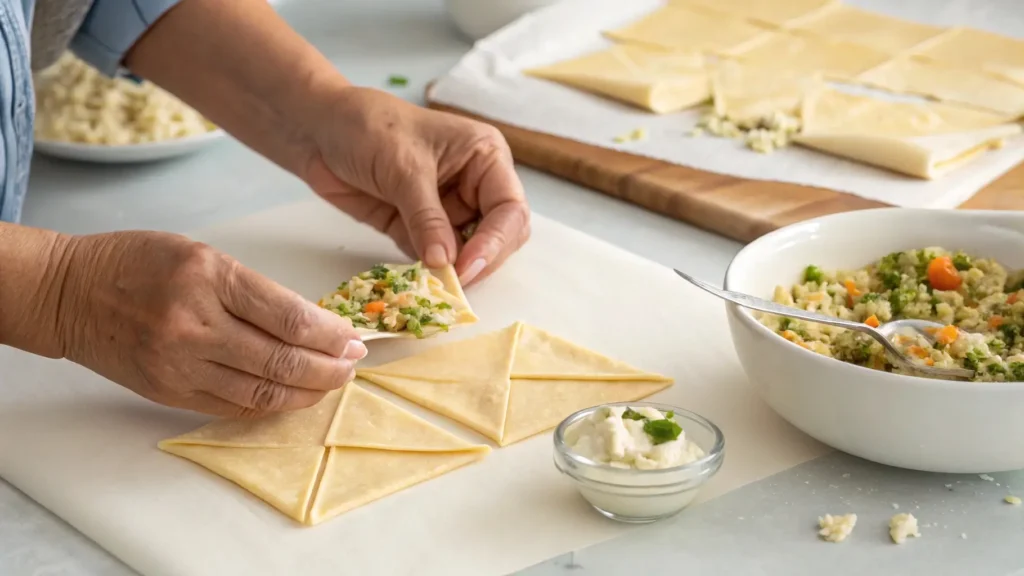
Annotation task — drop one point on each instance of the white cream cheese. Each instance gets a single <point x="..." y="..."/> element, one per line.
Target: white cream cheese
<point x="608" y="437"/>
<point x="836" y="528"/>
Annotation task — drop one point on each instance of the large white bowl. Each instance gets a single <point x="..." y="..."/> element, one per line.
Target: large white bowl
<point x="904" y="421"/>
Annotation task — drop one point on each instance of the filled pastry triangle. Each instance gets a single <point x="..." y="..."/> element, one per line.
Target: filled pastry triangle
<point x="513" y="383"/>
<point x="350" y="449"/>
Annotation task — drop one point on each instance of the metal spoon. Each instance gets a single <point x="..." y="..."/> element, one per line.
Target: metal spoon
<point x="882" y="334"/>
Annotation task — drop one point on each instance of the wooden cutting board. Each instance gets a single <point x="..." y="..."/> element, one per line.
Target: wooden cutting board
<point x="737" y="208"/>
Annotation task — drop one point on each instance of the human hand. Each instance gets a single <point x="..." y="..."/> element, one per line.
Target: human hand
<point x="416" y="174"/>
<point x="184" y="325"/>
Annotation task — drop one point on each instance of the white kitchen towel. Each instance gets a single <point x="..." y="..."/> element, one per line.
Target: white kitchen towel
<point x="489" y="83"/>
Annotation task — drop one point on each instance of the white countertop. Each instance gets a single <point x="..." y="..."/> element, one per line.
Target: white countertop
<point x="773" y="520"/>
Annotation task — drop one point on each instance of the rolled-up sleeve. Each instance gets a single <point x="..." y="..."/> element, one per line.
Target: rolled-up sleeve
<point x="111" y="28"/>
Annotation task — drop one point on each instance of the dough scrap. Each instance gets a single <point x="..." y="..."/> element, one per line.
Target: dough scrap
<point x="924" y="140"/>
<point x="916" y="75"/>
<point x="279" y="458"/>
<point x="978" y="50"/>
<point x="802" y="53"/>
<point x="547" y="379"/>
<point x="650" y="78"/>
<point x="771" y="12"/>
<point x="878" y="31"/>
<point x="686" y="28"/>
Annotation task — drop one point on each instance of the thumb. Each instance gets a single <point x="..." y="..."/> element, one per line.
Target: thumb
<point x="430" y="231"/>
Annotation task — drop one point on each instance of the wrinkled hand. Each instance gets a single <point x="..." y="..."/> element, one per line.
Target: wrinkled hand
<point x="417" y="175"/>
<point x="184" y="325"/>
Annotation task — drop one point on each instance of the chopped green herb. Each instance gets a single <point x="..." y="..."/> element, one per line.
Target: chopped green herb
<point x="670" y="414"/>
<point x="409" y="311"/>
<point x="631" y="414"/>
<point x="396" y="80"/>
<point x="973" y="359"/>
<point x="785" y="324"/>
<point x="444" y="306"/>
<point x="899" y="299"/>
<point x="995" y="368"/>
<point x="662" y="431"/>
<point x="891" y="280"/>
<point x="996" y="345"/>
<point x="399" y="285"/>
<point x="870" y="297"/>
<point x="813" y="274"/>
<point x="412" y="273"/>
<point x="343" y="286"/>
<point x="1017" y="371"/>
<point x="378" y="272"/>
<point x="962" y="261"/>
<point x="1010" y="332"/>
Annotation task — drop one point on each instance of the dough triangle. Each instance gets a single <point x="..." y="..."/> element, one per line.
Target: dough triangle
<point x="365" y="420"/>
<point x="481" y="358"/>
<point x="541" y="355"/>
<point x="478" y="403"/>
<point x="306" y="427"/>
<point x="282" y="477"/>
<point x="538" y="405"/>
<point x="354" y="477"/>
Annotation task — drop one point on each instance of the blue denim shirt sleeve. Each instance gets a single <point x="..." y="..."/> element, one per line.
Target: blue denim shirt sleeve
<point x="111" y="28"/>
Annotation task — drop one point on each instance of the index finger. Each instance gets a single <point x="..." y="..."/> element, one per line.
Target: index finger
<point x="284" y="314"/>
<point x="505" y="225"/>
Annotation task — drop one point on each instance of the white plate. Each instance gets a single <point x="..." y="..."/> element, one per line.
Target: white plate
<point x="129" y="153"/>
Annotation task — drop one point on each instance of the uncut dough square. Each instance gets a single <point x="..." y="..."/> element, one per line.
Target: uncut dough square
<point x="974" y="49"/>
<point x="687" y="29"/>
<point x="797" y="53"/>
<point x="962" y="86"/>
<point x="653" y="79"/>
<point x="514" y="383"/>
<point x="878" y="31"/>
<point x="920" y="139"/>
<point x="772" y="12"/>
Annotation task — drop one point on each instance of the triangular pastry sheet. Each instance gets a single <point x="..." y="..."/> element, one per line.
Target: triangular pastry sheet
<point x="350" y="449"/>
<point x="921" y="139"/>
<point x="530" y="381"/>
<point x="649" y="78"/>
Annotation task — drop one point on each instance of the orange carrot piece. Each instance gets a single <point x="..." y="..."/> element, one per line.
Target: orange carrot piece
<point x="947" y="334"/>
<point x="918" y="351"/>
<point x="1013" y="298"/>
<point x="995" y="322"/>
<point x="375" y="307"/>
<point x="929" y="362"/>
<point x="872" y="321"/>
<point x="942" y="274"/>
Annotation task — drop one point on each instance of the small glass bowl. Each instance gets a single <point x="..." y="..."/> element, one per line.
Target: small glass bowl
<point x="642" y="496"/>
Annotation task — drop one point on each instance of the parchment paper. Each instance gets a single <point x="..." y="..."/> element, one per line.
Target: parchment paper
<point x="488" y="83"/>
<point x="86" y="448"/>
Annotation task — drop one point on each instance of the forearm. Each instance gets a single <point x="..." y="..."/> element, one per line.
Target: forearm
<point x="238" y="63"/>
<point x="32" y="265"/>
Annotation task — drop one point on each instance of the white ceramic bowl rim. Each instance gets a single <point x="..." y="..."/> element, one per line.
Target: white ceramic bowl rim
<point x="193" y="138"/>
<point x="709" y="460"/>
<point x="747" y="316"/>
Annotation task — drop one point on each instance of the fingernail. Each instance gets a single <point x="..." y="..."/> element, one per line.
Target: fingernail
<point x="473" y="271"/>
<point x="436" y="256"/>
<point x="354" y="350"/>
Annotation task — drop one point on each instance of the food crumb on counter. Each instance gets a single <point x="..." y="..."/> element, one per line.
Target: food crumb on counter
<point x="1014" y="500"/>
<point x="963" y="535"/>
<point x="836" y="528"/>
<point x="903" y="526"/>
<point x="986" y="477"/>
<point x="635" y="136"/>
<point x="895" y="506"/>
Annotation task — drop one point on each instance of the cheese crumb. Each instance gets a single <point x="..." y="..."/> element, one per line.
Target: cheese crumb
<point x="902" y="526"/>
<point x="836" y="528"/>
<point x="763" y="135"/>
<point x="1012" y="500"/>
<point x="986" y="477"/>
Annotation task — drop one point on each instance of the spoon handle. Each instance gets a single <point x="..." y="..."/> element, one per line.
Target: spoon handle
<point x="754" y="303"/>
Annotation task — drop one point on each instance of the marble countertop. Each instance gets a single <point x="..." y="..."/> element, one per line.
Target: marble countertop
<point x="966" y="526"/>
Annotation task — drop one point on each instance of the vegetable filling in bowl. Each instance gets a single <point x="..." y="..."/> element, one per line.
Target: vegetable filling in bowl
<point x="981" y="305"/>
<point x="394" y="298"/>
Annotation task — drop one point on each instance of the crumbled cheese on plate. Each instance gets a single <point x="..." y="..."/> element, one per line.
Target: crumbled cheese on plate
<point x="903" y="526"/>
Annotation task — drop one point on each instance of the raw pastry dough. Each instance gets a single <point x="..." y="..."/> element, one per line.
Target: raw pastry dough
<point x="514" y="383"/>
<point x="772" y="12"/>
<point x="366" y="446"/>
<point x="804" y="53"/>
<point x="915" y="75"/>
<point x="884" y="33"/>
<point x="687" y="29"/>
<point x="745" y="95"/>
<point x="924" y="140"/>
<point x="650" y="78"/>
<point x="975" y="49"/>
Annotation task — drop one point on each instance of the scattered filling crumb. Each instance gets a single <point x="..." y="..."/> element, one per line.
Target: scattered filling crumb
<point x="763" y="135"/>
<point x="903" y="526"/>
<point x="986" y="477"/>
<point x="1014" y="500"/>
<point x="634" y="136"/>
<point x="836" y="528"/>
